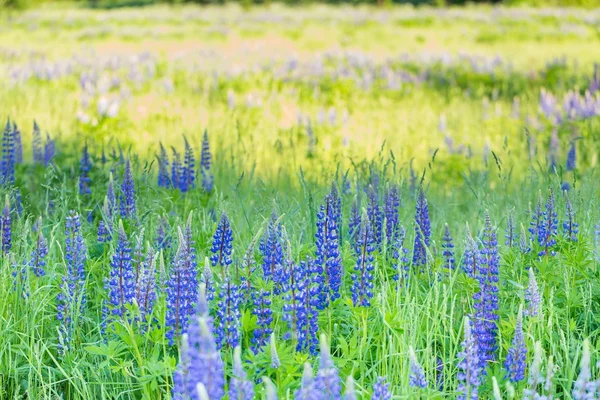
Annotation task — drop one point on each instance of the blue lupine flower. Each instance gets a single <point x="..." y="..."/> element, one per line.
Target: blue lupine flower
<point x="570" y="226"/>
<point x="137" y="259"/>
<point x="38" y="255"/>
<point x="163" y="236"/>
<point x="548" y="229"/>
<point x="38" y="150"/>
<point x="222" y="246"/>
<point x="362" y="278"/>
<point x="104" y="226"/>
<point x="417" y="376"/>
<point x="354" y="222"/>
<point x="271" y="248"/>
<point x="422" y="230"/>
<point x="485" y="320"/>
<point x="145" y="292"/>
<point x="188" y="170"/>
<point x="400" y="258"/>
<point x="261" y="300"/>
<point x="448" y="249"/>
<point x="49" y="150"/>
<point x="85" y="166"/>
<point x="111" y="199"/>
<point x="8" y="155"/>
<point x="327" y="380"/>
<point x="300" y="307"/>
<point x="469" y="375"/>
<point x="381" y="390"/>
<point x="471" y="257"/>
<point x="328" y="263"/>
<point x="512" y="236"/>
<point x="227" y="330"/>
<point x="375" y="214"/>
<point x="307" y="390"/>
<point x="127" y="205"/>
<point x="350" y="393"/>
<point x="585" y="387"/>
<point x="121" y="283"/>
<point x="392" y="203"/>
<point x="176" y="169"/>
<point x="240" y="388"/>
<point x="524" y="246"/>
<point x="6" y="227"/>
<point x="18" y="144"/>
<point x="164" y="180"/>
<point x="532" y="296"/>
<point x="207" y="279"/>
<point x="103" y="159"/>
<point x="181" y="288"/>
<point x="275" y="361"/>
<point x="572" y="157"/>
<point x="206" y="165"/>
<point x="270" y="389"/>
<point x="516" y="358"/>
<point x="336" y="205"/>
<point x="248" y="267"/>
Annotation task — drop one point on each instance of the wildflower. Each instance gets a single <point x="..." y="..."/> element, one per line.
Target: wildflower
<point x="163" y="168"/>
<point x="121" y="284"/>
<point x="532" y="296"/>
<point x="512" y="236"/>
<point x="548" y="228"/>
<point x="163" y="237"/>
<point x="572" y="157"/>
<point x="536" y="377"/>
<point x="327" y="380"/>
<point x="328" y="262"/>
<point x="448" y="250"/>
<point x="38" y="151"/>
<point x="570" y="226"/>
<point x="417" y="376"/>
<point x="422" y="230"/>
<point x="205" y="165"/>
<point x="127" y="205"/>
<point x="471" y="257"/>
<point x="469" y="375"/>
<point x="49" y="150"/>
<point x="228" y="314"/>
<point x="523" y="243"/>
<point x="188" y="170"/>
<point x="38" y="255"/>
<point x="261" y="300"/>
<point x="354" y="222"/>
<point x="381" y="390"/>
<point x="392" y="203"/>
<point x="240" y="388"/>
<point x="307" y="390"/>
<point x="85" y="166"/>
<point x="207" y="278"/>
<point x="8" y="156"/>
<point x="362" y="279"/>
<point x="400" y="257"/>
<point x="516" y="358"/>
<point x="146" y="284"/>
<point x="176" y="170"/>
<point x="222" y="246"/>
<point x="375" y="214"/>
<point x="18" y="144"/>
<point x="271" y="247"/>
<point x="350" y="393"/>
<point x="270" y="389"/>
<point x="6" y="227"/>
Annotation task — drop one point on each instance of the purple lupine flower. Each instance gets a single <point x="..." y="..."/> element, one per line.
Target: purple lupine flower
<point x="6" y="227"/>
<point x="512" y="236"/>
<point x="537" y="220"/>
<point x="121" y="283"/>
<point x="536" y="377"/>
<point x="400" y="258"/>
<point x="585" y="388"/>
<point x="327" y="381"/>
<point x="103" y="159"/>
<point x="417" y="376"/>
<point x="176" y="169"/>
<point x="448" y="249"/>
<point x="271" y="248"/>
<point x="275" y="361"/>
<point x="307" y="390"/>
<point x="188" y="170"/>
<point x="248" y="267"/>
<point x="8" y="156"/>
<point x="471" y="258"/>
<point x="595" y="81"/>
<point x="532" y="296"/>
<point x="162" y="240"/>
<point x="18" y="144"/>
<point x="524" y="246"/>
<point x="422" y="230"/>
<point x="381" y="390"/>
<point x="85" y="166"/>
<point x="392" y="203"/>
<point x="207" y="279"/>
<point x="222" y="246"/>
<point x="38" y="255"/>
<point x="206" y="165"/>
<point x="181" y="287"/>
<point x="548" y="229"/>
<point x="240" y="388"/>
<point x="570" y="226"/>
<point x="516" y="358"/>
<point x="300" y="306"/>
<point x="362" y="278"/>
<point x="469" y="375"/>
<point x="146" y="285"/>
<point x="572" y="157"/>
<point x="261" y="301"/>
<point x="354" y="222"/>
<point x="164" y="179"/>
<point x="137" y="259"/>
<point x="104" y="227"/>
<point x="127" y="204"/>
<point x="227" y="330"/>
<point x="350" y="393"/>
<point x="375" y="214"/>
<point x="38" y="150"/>
<point x="270" y="389"/>
<point x="485" y="328"/>
<point x="111" y="199"/>
<point x="49" y="150"/>
<point x="328" y="263"/>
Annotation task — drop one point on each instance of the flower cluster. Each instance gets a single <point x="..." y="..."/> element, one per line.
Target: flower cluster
<point x="422" y="230"/>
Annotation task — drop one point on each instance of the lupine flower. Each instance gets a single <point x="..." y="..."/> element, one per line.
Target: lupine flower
<point x="18" y="144"/>
<point x="121" y="284"/>
<point x="537" y="219"/>
<point x="205" y="165"/>
<point x="271" y="248"/>
<point x="362" y="278"/>
<point x="485" y="327"/>
<point x="103" y="159"/>
<point x="261" y="301"/>
<point x="328" y="263"/>
<point x="137" y="259"/>
<point x="536" y="377"/>
<point x="163" y="237"/>
<point x="49" y="150"/>
<point x="350" y="393"/>
<point x="104" y="227"/>
<point x="354" y="222"/>
<point x="111" y="199"/>
<point x="422" y="230"/>
<point x="222" y="246"/>
<point x="448" y="249"/>
<point x="327" y="380"/>
<point x="417" y="376"/>
<point x="548" y="228"/>
<point x="188" y="171"/>
<point x="516" y="358"/>
<point x="38" y="151"/>
<point x="570" y="226"/>
<point x="471" y="257"/>
<point x="207" y="279"/>
<point x="585" y="387"/>
<point x="375" y="214"/>
<point x="249" y="266"/>
<point x="307" y="390"/>
<point x="392" y="203"/>
<point x="275" y="361"/>
<point x="270" y="389"/>
<point x="145" y="292"/>
<point x="523" y="242"/>
<point x="400" y="258"/>
<point x="469" y="375"/>
<point x="532" y="296"/>
<point x="8" y="155"/>
<point x="512" y="236"/>
<point x="439" y="373"/>
<point x="240" y="388"/>
<point x="38" y="255"/>
<point x="85" y="166"/>
<point x="181" y="288"/>
<point x="381" y="390"/>
<point x="572" y="157"/>
<point x="227" y="330"/>
<point x="176" y="169"/>
<point x="127" y="205"/>
<point x="6" y="227"/>
<point x="164" y="180"/>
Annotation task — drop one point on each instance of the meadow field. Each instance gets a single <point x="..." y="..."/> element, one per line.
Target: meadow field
<point x="305" y="203"/>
